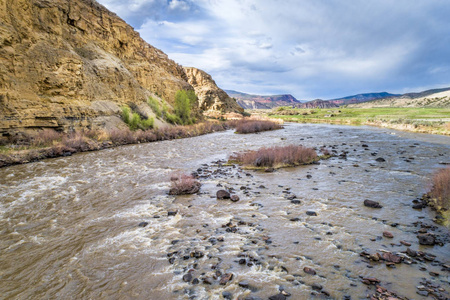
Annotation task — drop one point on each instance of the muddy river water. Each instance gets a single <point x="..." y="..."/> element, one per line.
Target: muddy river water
<point x="69" y="226"/>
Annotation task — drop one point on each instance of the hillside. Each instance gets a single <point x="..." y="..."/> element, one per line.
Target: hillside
<point x="361" y="98"/>
<point x="249" y="101"/>
<point x="318" y="103"/>
<point x="72" y="64"/>
<point x="430" y="98"/>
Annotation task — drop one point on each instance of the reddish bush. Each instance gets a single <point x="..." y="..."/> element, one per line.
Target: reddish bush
<point x="276" y="156"/>
<point x="122" y="136"/>
<point x="440" y="190"/>
<point x="78" y="142"/>
<point x="46" y="137"/>
<point x="252" y="126"/>
<point x="183" y="184"/>
<point x="145" y="136"/>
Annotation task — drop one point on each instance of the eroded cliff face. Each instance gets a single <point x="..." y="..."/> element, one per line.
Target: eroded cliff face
<point x="72" y="63"/>
<point x="212" y="100"/>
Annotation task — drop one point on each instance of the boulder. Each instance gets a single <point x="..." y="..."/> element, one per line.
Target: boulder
<point x="234" y="198"/>
<point x="373" y="204"/>
<point x="388" y="234"/>
<point x="426" y="239"/>
<point x="309" y="270"/>
<point x="222" y="194"/>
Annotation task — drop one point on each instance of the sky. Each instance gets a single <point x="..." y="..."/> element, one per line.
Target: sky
<point x="308" y="48"/>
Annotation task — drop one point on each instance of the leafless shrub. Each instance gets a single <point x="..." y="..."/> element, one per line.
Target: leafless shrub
<point x="122" y="136"/>
<point x="252" y="126"/>
<point x="79" y="142"/>
<point x="440" y="190"/>
<point x="183" y="184"/>
<point x="145" y="136"/>
<point x="276" y="157"/>
<point x="46" y="137"/>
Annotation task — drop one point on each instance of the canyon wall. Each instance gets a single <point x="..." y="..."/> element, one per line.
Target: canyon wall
<point x="69" y="64"/>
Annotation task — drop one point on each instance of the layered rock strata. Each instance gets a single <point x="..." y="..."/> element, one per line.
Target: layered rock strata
<point x="212" y="100"/>
<point x="69" y="64"/>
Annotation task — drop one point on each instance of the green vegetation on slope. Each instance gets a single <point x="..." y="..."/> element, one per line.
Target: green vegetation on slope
<point x="135" y="121"/>
<point x="181" y="114"/>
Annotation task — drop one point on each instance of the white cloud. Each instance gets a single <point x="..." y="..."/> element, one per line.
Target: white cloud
<point x="178" y="5"/>
<point x="311" y="48"/>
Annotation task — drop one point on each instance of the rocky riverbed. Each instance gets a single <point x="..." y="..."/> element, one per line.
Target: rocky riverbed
<point x="101" y="225"/>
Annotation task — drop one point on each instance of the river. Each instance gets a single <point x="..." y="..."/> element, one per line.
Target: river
<point x="69" y="226"/>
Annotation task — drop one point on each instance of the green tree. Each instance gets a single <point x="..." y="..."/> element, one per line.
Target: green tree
<point x="184" y="100"/>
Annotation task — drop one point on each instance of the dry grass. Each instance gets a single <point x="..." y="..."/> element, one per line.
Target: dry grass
<point x="46" y="137"/>
<point x="253" y="126"/>
<point x="440" y="191"/>
<point x="276" y="157"/>
<point x="182" y="184"/>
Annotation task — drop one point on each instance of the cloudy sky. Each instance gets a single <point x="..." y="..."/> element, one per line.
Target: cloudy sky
<point x="309" y="48"/>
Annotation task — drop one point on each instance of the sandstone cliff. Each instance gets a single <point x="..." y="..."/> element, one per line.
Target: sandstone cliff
<point x="212" y="100"/>
<point x="69" y="64"/>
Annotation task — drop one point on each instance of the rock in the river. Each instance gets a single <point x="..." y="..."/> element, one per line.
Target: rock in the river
<point x="311" y="213"/>
<point x="143" y="224"/>
<point x="411" y="252"/>
<point x="373" y="204"/>
<point x="234" y="198"/>
<point x="405" y="243"/>
<point x="316" y="287"/>
<point x="207" y="280"/>
<point x="426" y="239"/>
<point x="390" y="257"/>
<point x="227" y="295"/>
<point x="309" y="270"/>
<point x="187" y="277"/>
<point x="370" y="280"/>
<point x="222" y="194"/>
<point x="225" y="278"/>
<point x="388" y="234"/>
<point x="278" y="297"/>
<point x="380" y="159"/>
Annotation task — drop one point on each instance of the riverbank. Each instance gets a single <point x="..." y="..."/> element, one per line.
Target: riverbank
<point x="420" y="120"/>
<point x="50" y="144"/>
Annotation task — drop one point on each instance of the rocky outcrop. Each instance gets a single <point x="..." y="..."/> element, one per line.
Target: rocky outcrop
<point x="212" y="100"/>
<point x="69" y="64"/>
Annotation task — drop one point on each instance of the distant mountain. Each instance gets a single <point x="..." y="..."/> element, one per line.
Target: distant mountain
<point x="429" y="98"/>
<point x="249" y="101"/>
<point x="361" y="98"/>
<point x="425" y="93"/>
<point x="318" y="103"/>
